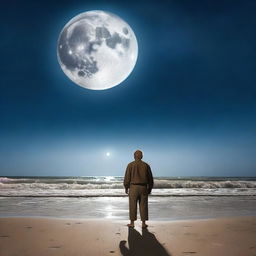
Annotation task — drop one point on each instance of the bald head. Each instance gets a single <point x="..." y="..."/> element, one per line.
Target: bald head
<point x="138" y="155"/>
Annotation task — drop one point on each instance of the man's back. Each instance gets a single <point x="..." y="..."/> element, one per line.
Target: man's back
<point x="138" y="172"/>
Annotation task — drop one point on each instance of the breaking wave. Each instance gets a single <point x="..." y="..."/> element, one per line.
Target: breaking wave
<point x="113" y="186"/>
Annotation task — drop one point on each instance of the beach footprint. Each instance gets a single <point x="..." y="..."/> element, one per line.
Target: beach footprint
<point x="55" y="247"/>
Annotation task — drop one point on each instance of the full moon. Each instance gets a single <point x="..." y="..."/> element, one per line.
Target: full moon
<point x="97" y="50"/>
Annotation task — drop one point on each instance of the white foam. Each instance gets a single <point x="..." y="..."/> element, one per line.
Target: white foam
<point x="101" y="186"/>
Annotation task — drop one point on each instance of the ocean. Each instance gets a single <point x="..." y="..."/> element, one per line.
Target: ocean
<point x="104" y="197"/>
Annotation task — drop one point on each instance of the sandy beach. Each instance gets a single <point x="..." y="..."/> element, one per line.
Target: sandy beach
<point x="57" y="236"/>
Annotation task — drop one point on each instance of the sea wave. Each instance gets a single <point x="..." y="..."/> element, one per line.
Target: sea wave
<point x="113" y="186"/>
<point x="4" y="179"/>
<point x="117" y="183"/>
<point x="120" y="192"/>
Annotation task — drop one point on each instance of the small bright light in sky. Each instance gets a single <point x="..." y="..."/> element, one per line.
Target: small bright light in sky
<point x="108" y="154"/>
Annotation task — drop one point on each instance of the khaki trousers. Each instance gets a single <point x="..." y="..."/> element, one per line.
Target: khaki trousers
<point x="138" y="193"/>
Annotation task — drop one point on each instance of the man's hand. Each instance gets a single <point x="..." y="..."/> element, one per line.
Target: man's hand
<point x="126" y="190"/>
<point x="149" y="191"/>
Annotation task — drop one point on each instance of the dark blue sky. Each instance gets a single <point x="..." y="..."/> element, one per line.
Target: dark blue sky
<point x="189" y="104"/>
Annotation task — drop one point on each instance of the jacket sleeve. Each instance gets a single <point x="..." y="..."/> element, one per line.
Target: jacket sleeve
<point x="127" y="177"/>
<point x="150" y="179"/>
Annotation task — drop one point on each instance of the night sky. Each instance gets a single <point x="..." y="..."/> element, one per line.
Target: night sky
<point x="189" y="104"/>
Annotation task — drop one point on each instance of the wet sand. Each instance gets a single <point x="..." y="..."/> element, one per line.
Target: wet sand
<point x="49" y="236"/>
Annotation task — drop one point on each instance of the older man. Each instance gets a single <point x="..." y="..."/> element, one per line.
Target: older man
<point x="138" y="183"/>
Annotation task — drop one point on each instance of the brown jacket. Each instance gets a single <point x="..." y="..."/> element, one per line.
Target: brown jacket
<point x="138" y="172"/>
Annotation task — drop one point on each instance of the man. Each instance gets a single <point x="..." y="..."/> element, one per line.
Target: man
<point x="138" y="183"/>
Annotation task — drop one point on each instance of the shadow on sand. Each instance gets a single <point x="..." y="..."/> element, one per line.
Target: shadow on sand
<point x="140" y="245"/>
